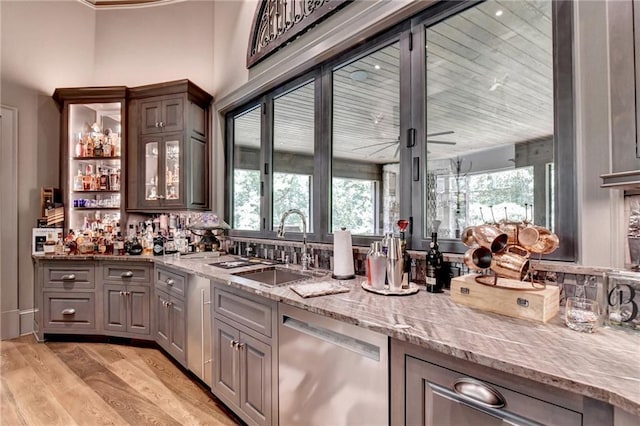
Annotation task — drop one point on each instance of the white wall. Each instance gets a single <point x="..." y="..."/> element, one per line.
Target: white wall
<point x="137" y="46"/>
<point x="44" y="45"/>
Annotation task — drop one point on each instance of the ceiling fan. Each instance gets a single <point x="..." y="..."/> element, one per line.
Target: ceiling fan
<point x="391" y="143"/>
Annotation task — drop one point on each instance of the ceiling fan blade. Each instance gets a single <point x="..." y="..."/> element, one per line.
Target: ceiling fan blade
<point x="448" y="132"/>
<point x="441" y="142"/>
<point x="375" y="144"/>
<point x="379" y="150"/>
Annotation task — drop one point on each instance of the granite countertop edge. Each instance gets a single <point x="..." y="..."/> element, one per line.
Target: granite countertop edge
<point x="358" y="307"/>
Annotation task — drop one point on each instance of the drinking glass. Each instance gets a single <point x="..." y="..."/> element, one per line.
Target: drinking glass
<point x="582" y="314"/>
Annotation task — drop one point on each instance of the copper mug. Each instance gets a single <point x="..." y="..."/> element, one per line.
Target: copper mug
<point x="490" y="237"/>
<point x="478" y="258"/>
<point x="467" y="237"/>
<point x="538" y="239"/>
<point x="512" y="263"/>
<point x="511" y="229"/>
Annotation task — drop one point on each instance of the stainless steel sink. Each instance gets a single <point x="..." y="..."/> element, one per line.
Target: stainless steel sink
<point x="273" y="276"/>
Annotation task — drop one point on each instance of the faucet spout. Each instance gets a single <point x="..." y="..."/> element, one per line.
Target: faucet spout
<point x="306" y="261"/>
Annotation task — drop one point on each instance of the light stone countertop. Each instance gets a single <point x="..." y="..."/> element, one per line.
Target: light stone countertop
<point x="604" y="365"/>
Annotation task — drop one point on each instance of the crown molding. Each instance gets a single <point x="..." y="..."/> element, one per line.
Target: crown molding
<point x="126" y="4"/>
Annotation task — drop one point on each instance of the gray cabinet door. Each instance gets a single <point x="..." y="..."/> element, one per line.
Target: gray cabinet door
<point x="138" y="309"/>
<point x="173" y="115"/>
<point x="197" y="184"/>
<point x="115" y="308"/>
<point x="226" y="374"/>
<point x="162" y="319"/>
<point x="150" y="117"/>
<point x="178" y="330"/>
<point x="255" y="379"/>
<point x="439" y="396"/>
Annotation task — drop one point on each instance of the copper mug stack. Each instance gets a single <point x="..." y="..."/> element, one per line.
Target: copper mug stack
<point x="483" y="241"/>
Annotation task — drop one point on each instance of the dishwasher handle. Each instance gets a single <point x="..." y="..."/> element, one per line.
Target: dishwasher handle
<point x="333" y="337"/>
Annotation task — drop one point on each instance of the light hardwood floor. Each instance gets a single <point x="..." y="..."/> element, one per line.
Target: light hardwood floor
<point x="68" y="383"/>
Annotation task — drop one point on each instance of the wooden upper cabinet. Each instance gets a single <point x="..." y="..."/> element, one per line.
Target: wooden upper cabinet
<point x="624" y="80"/>
<point x="162" y="115"/>
<point x="168" y="155"/>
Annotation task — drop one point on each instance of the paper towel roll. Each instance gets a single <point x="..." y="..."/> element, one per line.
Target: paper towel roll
<point x="342" y="255"/>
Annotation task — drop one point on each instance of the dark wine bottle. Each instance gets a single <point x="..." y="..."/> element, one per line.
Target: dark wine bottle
<point x="435" y="262"/>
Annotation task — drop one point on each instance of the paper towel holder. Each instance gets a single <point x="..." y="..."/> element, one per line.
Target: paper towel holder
<point x="347" y="276"/>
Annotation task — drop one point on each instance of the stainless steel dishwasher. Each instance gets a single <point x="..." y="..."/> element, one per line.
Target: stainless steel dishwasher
<point x="330" y="372"/>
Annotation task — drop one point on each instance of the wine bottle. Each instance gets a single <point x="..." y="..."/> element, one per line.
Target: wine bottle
<point x="435" y="261"/>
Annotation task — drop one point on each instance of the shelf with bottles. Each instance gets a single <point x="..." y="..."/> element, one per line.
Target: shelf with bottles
<point x="106" y="159"/>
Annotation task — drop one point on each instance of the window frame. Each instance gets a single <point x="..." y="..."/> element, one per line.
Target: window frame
<point x="409" y="33"/>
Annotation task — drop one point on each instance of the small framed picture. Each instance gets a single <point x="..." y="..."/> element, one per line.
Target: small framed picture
<point x="40" y="235"/>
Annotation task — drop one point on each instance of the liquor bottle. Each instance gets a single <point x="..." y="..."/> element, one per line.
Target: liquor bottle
<point x="50" y="244"/>
<point x="136" y="247"/>
<point x="89" y="147"/>
<point x="435" y="261"/>
<point x="77" y="181"/>
<point x="158" y="245"/>
<point x="368" y="262"/>
<point x="98" y="151"/>
<point x="59" y="249"/>
<point x="79" y="151"/>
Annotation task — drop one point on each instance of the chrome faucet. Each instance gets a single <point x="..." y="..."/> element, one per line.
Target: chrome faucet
<point x="306" y="259"/>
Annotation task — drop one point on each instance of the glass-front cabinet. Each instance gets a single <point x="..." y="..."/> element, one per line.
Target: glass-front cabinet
<point x="91" y="168"/>
<point x="168" y="150"/>
<point x="162" y="159"/>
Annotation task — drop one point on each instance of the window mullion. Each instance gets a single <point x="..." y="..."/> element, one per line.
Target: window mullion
<point x="266" y="167"/>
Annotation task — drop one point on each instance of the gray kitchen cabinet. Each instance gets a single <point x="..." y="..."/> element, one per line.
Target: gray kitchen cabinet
<point x="126" y="309"/>
<point x="126" y="299"/>
<point x="623" y="26"/>
<point x="244" y="366"/>
<point x="430" y="388"/>
<point x="171" y="315"/>
<point x="162" y="114"/>
<point x="168" y="149"/>
<point x="65" y="298"/>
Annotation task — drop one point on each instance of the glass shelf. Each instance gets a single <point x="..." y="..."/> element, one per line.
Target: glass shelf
<point x="97" y="192"/>
<point x="95" y="158"/>
<point x="95" y="208"/>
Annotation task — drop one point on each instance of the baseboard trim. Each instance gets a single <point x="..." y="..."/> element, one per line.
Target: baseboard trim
<point x="10" y="321"/>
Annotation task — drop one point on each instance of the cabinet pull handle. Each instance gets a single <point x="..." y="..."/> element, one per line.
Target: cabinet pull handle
<point x="162" y="124"/>
<point x="68" y="311"/>
<point x="232" y="345"/>
<point x="69" y="277"/>
<point x="240" y="346"/>
<point x="170" y="281"/>
<point x="122" y="293"/>
<point x="479" y="392"/>
<point x="160" y="197"/>
<point x="127" y="274"/>
<point x="157" y="124"/>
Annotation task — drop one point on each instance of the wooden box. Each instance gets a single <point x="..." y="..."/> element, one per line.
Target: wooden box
<point x="537" y="305"/>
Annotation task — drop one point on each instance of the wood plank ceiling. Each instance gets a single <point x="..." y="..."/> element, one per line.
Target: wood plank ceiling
<point x="489" y="81"/>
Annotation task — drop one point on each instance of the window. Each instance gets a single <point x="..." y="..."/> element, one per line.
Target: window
<point x="366" y="143"/>
<point x="459" y="115"/>
<point x="246" y="169"/>
<point x="293" y="154"/>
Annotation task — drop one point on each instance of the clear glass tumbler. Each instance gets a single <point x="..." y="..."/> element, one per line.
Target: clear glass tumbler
<point x="582" y="314"/>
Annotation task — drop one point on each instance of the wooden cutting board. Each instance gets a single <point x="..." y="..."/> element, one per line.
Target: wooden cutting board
<point x="537" y="305"/>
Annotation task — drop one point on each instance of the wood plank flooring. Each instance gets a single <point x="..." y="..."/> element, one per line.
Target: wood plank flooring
<point x="86" y="383"/>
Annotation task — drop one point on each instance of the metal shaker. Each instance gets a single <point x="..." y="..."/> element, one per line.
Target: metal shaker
<point x="395" y="264"/>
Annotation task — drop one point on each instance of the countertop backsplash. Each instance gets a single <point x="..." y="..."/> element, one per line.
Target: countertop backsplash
<point x="573" y="280"/>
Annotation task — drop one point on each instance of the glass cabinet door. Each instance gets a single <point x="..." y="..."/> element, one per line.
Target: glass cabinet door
<point x="172" y="169"/>
<point x="151" y="159"/>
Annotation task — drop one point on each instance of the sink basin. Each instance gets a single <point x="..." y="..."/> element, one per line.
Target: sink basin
<point x="273" y="276"/>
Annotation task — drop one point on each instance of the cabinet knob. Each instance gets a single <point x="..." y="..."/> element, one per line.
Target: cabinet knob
<point x="162" y="124"/>
<point x="170" y="282"/>
<point x="122" y="293"/>
<point x="479" y="392"/>
<point x="68" y="311"/>
<point x="157" y="124"/>
<point x="127" y="274"/>
<point x="232" y="345"/>
<point x="240" y="346"/>
<point x="69" y="277"/>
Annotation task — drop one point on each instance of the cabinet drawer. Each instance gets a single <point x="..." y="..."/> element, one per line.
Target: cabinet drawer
<point x="171" y="282"/>
<point x="69" y="310"/>
<point x="127" y="272"/>
<point x="69" y="275"/>
<point x="255" y="314"/>
<point x="443" y="396"/>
